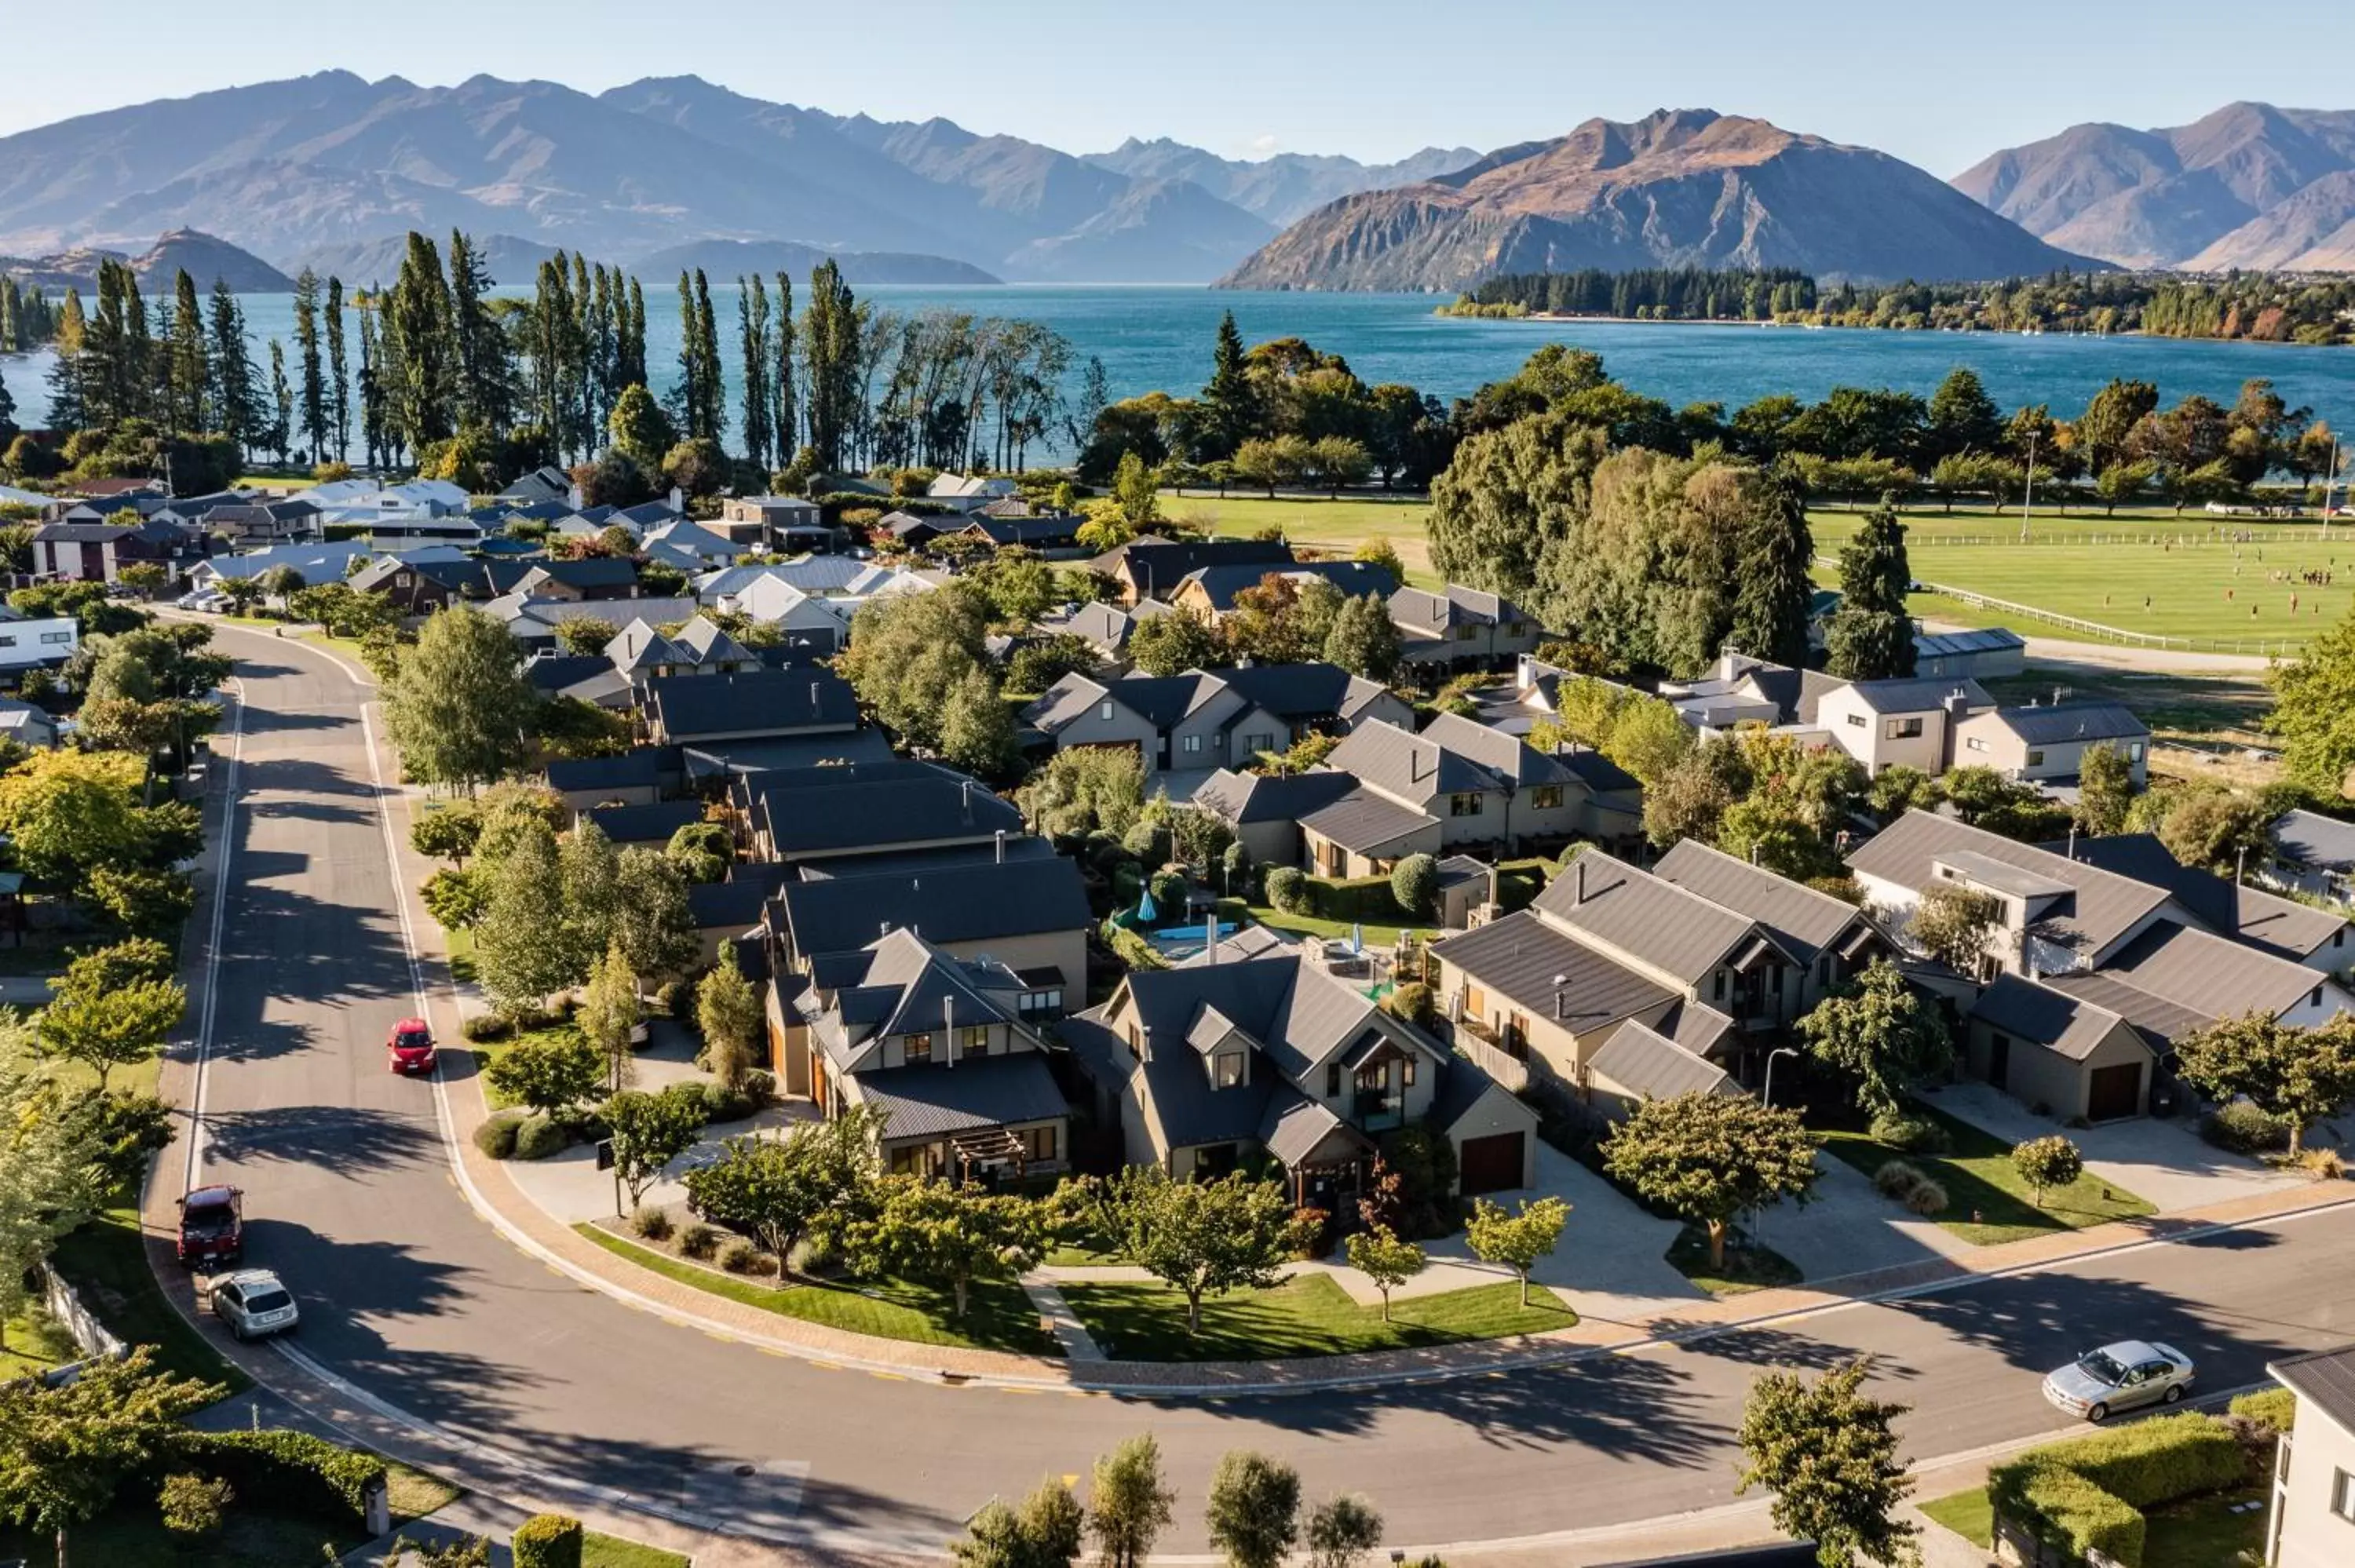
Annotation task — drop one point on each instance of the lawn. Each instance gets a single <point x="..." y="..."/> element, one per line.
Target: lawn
<point x="36" y="1343"/>
<point x="1308" y="1315"/>
<point x="2157" y="576"/>
<point x="998" y="1316"/>
<point x="1315" y="523"/>
<point x="129" y="1535"/>
<point x="611" y="1551"/>
<point x="1747" y="1269"/>
<point x="1979" y="1180"/>
<point x="2205" y="1532"/>
<point x="106" y="1260"/>
<point x="459" y="942"/>
<point x="1968" y="1514"/>
<point x="1377" y="937"/>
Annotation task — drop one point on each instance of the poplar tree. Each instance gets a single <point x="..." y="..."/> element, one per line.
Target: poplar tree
<point x="830" y="354"/>
<point x="419" y="350"/>
<point x="339" y="391"/>
<point x="631" y="369"/>
<point x="234" y="397"/>
<point x="685" y="399"/>
<point x="711" y="414"/>
<point x="753" y="325"/>
<point x="783" y="409"/>
<point x="188" y="366"/>
<point x="313" y="424"/>
<point x="282" y="403"/>
<point x="585" y="393"/>
<point x="485" y="398"/>
<point x="371" y="390"/>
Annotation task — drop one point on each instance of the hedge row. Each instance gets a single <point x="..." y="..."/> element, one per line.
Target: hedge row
<point x="2089" y="1493"/>
<point x="295" y="1470"/>
<point x="2067" y="1511"/>
<point x="1364" y="898"/>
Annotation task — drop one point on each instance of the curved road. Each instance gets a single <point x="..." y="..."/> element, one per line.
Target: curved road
<point x="412" y="1297"/>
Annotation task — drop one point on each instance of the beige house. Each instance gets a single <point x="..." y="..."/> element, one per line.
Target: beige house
<point x="1454" y="627"/>
<point x="1635" y="1063"/>
<point x="2312" y="1521"/>
<point x="2038" y="744"/>
<point x="2059" y="1055"/>
<point x="1025" y="906"/>
<point x="1210" y="719"/>
<point x="1892" y="724"/>
<point x="1459" y="785"/>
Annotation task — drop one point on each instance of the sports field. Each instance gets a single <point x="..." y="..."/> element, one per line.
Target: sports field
<point x="1338" y="525"/>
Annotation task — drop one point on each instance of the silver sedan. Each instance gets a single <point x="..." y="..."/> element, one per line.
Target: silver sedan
<point x="2123" y="1376"/>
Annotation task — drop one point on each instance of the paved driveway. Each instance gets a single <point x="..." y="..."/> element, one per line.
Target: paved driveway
<point x="1850" y="1227"/>
<point x="2165" y="1161"/>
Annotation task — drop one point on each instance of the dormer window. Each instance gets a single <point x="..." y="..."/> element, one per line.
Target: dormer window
<point x="916" y="1048"/>
<point x="1226" y="1069"/>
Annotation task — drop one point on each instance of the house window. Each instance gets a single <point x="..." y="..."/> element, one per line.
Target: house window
<point x="1824" y="970"/>
<point x="1406" y="1074"/>
<point x="1136" y="1039"/>
<point x="1039" y="1144"/>
<point x="1226" y="1069"/>
<point x="56" y="637"/>
<point x="1332" y="1079"/>
<point x="1466" y="805"/>
<point x="1974" y="743"/>
<point x="1517" y="629"/>
<point x="1040" y="1002"/>
<point x="1857" y="720"/>
<point x="1473" y="1002"/>
<point x="915" y="1048"/>
<point x="1466" y="633"/>
<point x="2313" y="997"/>
<point x="2134" y="751"/>
<point x="1193" y="742"/>
<point x="8" y="640"/>
<point x="2036" y="759"/>
<point x="1547" y="797"/>
<point x="974" y="1040"/>
<point x="2339" y="935"/>
<point x="1104" y="710"/>
<point x="1717" y="987"/>
<point x="1258" y="743"/>
<point x="1904" y="730"/>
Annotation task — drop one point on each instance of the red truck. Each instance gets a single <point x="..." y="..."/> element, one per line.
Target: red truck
<point x="212" y="1229"/>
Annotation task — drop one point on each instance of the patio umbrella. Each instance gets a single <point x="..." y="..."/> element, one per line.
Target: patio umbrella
<point x="1145" y="912"/>
<point x="1357" y="940"/>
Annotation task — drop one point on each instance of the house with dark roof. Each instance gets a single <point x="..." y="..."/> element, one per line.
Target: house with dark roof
<point x="632" y="779"/>
<point x="590" y="578"/>
<point x="2319" y="938"/>
<point x="1900" y="723"/>
<point x="1025" y="909"/>
<point x="935" y="1045"/>
<point x="420" y="587"/>
<point x="2047" y="744"/>
<point x="865" y="808"/>
<point x="1106" y="627"/>
<point x="1459" y="784"/>
<point x="1635" y="1063"/>
<point x="1456" y="628"/>
<point x="1208" y="1067"/>
<point x="2049" y="1046"/>
<point x="732" y="911"/>
<point x="1208" y="593"/>
<point x="2313" y="1469"/>
<point x="585" y="677"/>
<point x="1738" y="690"/>
<point x="651" y="824"/>
<point x="2314" y="855"/>
<point x="1264" y="810"/>
<point x="1056" y="537"/>
<point x="751" y="705"/>
<point x="542" y="485"/>
<point x="1988" y="653"/>
<point x="1831" y="940"/>
<point x="1209" y="718"/>
<point x="766" y="522"/>
<point x="97" y="552"/>
<point x="1151" y="566"/>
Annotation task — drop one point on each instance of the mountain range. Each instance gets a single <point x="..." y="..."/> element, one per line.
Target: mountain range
<point x="1678" y="188"/>
<point x="2249" y="186"/>
<point x="206" y="259"/>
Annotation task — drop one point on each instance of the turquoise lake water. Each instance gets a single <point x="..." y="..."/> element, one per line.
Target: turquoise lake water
<point x="1159" y="337"/>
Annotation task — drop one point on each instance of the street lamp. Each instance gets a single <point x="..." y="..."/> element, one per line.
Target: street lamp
<point x="1768" y="1097"/>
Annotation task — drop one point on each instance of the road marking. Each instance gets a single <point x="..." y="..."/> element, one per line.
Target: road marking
<point x="194" y="1167"/>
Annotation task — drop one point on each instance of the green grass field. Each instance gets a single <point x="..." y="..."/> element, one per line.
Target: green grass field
<point x="1979" y="1179"/>
<point x="1307" y="1315"/>
<point x="1338" y="525"/>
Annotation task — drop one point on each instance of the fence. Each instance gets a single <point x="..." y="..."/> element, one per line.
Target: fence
<point x="81" y="1325"/>
<point x="2258" y="647"/>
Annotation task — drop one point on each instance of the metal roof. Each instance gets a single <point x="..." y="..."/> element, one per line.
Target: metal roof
<point x="1645" y="1062"/>
<point x="1919" y="697"/>
<point x="2067" y="1024"/>
<point x="2060" y="724"/>
<point x="2210" y="974"/>
<point x="2262" y="919"/>
<point x="982" y="902"/>
<point x="2311" y="839"/>
<point x="2102" y="906"/>
<point x="1545" y="973"/>
<point x="1802" y="918"/>
<point x="1364" y="822"/>
<point x="2325" y="1379"/>
<point x="2003" y="875"/>
<point x="1672" y="928"/>
<point x="1991" y="640"/>
<point x="979" y="1091"/>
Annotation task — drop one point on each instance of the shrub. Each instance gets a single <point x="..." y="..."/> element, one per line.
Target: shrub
<point x="675" y="998"/>
<point x="1287" y="889"/>
<point x="651" y="1221"/>
<point x="2066" y="1510"/>
<point x="485" y="1026"/>
<point x="497" y="1136"/>
<point x="192" y="1506"/>
<point x="761" y="1088"/>
<point x="538" y="1136"/>
<point x="2323" y="1164"/>
<point x="698" y="1241"/>
<point x="1414" y="1002"/>
<point x="1927" y="1198"/>
<point x="297" y="1472"/>
<point x="743" y="1258"/>
<point x="1909" y="1133"/>
<point x="2273" y="1408"/>
<point x="1414" y="884"/>
<point x="722" y="1103"/>
<point x="1168" y="889"/>
<point x="1897" y="1179"/>
<point x="2244" y="1130"/>
<point x="547" y="1540"/>
<point x="2152" y="1462"/>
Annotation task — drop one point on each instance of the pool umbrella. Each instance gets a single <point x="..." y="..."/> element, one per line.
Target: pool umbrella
<point x="1357" y="940"/>
<point x="1145" y="912"/>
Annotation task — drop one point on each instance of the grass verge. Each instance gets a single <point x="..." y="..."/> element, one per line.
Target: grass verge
<point x="1746" y="1267"/>
<point x="36" y="1343"/>
<point x="106" y="1260"/>
<point x="1987" y="1202"/>
<point x="612" y="1551"/>
<point x="1968" y="1514"/>
<point x="1307" y="1315"/>
<point x="998" y="1316"/>
<point x="2205" y="1532"/>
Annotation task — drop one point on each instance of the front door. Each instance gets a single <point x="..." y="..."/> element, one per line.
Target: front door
<point x="1999" y="1071"/>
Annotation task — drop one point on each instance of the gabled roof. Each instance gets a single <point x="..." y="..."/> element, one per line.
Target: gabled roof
<point x="1411" y="767"/>
<point x="1431" y="613"/>
<point x="590" y="571"/>
<point x="902" y="984"/>
<point x="1802" y="919"/>
<point x="1643" y="1060"/>
<point x="749" y="702"/>
<point x="1672" y="928"/>
<point x="813" y="811"/>
<point x="1508" y="756"/>
<point x="1919" y="697"/>
<point x="2062" y="724"/>
<point x="988" y="901"/>
<point x="1297" y="691"/>
<point x="639" y="767"/>
<point x="1299" y="1016"/>
<point x="638" y="646"/>
<point x="1244" y="798"/>
<point x="1365" y="823"/>
<point x="2324" y="1379"/>
<point x="2067" y="1024"/>
<point x="563" y="671"/>
<point x="931" y="1101"/>
<point x="2275" y="925"/>
<point x="1521" y="958"/>
<point x="1219" y="584"/>
<point x="2311" y="839"/>
<point x="703" y="638"/>
<point x="2102" y="907"/>
<point x="1156" y="565"/>
<point x="2209" y="974"/>
<point x="646" y="824"/>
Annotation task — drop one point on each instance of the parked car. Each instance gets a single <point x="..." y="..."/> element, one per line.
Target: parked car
<point x="253" y="1303"/>
<point x="212" y="1228"/>
<point x="2123" y="1376"/>
<point x="409" y="1047"/>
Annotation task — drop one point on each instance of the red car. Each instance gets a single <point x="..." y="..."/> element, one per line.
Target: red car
<point x="212" y="1228"/>
<point x="409" y="1047"/>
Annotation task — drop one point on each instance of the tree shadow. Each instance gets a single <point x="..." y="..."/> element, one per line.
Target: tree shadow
<point x="1769" y="1348"/>
<point x="344" y="1140"/>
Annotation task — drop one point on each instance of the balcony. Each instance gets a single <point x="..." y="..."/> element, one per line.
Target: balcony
<point x="1375" y="1111"/>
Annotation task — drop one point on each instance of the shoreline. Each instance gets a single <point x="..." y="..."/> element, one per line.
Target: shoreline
<point x="1555" y="319"/>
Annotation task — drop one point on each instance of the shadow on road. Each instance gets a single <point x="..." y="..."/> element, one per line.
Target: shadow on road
<point x="343" y="1139"/>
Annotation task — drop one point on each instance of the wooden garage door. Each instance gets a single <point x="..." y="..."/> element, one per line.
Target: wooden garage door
<point x="2114" y="1092"/>
<point x="1492" y="1164"/>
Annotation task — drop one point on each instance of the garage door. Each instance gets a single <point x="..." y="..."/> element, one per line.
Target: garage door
<point x="2114" y="1092"/>
<point x="1492" y="1164"/>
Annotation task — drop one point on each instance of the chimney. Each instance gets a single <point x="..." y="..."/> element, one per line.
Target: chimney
<point x="813" y="697"/>
<point x="572" y="498"/>
<point x="964" y="800"/>
<point x="1578" y="888"/>
<point x="677" y="501"/>
<point x="948" y="1025"/>
<point x="1559" y="982"/>
<point x="1210" y="938"/>
<point x="2073" y="838"/>
<point x="1001" y="846"/>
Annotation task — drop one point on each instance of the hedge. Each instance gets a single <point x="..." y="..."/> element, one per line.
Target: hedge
<point x="295" y="1470"/>
<point x="1130" y="949"/>
<point x="2275" y="1409"/>
<point x="2068" y="1510"/>
<point x="1364" y="898"/>
<point x="2155" y="1461"/>
<point x="547" y="1540"/>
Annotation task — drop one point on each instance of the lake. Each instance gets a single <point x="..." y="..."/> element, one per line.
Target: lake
<point x="1159" y="338"/>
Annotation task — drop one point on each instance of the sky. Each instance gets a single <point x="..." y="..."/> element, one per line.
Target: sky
<point x="1939" y="86"/>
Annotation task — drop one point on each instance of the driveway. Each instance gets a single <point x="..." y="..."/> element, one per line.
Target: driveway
<point x="1849" y="1228"/>
<point x="2164" y="1161"/>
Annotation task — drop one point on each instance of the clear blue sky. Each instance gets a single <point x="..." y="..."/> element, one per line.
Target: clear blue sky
<point x="1937" y="85"/>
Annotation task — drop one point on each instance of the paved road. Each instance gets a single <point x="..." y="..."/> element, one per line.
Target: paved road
<point x="408" y="1296"/>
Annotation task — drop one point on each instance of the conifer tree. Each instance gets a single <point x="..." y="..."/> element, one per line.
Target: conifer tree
<point x="371" y="390"/>
<point x="1774" y="595"/>
<point x="631" y="370"/>
<point x="314" y="415"/>
<point x="1870" y="637"/>
<point x="753" y="324"/>
<point x="189" y="367"/>
<point x="235" y="401"/>
<point x="711" y="420"/>
<point x="68" y="405"/>
<point x="784" y="407"/>
<point x="282" y="403"/>
<point x="485" y="398"/>
<point x="1230" y="399"/>
<point x="686" y="397"/>
<point x="339" y="391"/>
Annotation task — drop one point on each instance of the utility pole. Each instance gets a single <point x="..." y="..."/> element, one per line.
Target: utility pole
<point x="2028" y="500"/>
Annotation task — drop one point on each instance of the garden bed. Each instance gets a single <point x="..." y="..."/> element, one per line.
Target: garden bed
<point x="1307" y="1315"/>
<point x="1977" y="1174"/>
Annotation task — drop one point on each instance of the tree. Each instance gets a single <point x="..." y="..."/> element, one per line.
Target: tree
<point x="1963" y="417"/>
<point x="1174" y="643"/>
<point x="1335" y="462"/>
<point x="450" y="833"/>
<point x="1414" y="882"/>
<point x="2047" y="1162"/>
<point x="589" y="875"/>
<point x="1253" y="1514"/>
<point x="460" y="708"/>
<point x="2314" y="711"/>
<point x="728" y="1011"/>
<point x="925" y="1229"/>
<point x="1708" y="1158"/>
<point x="1363" y="640"/>
<point x="1230" y="400"/>
<point x="1044" y="1532"/>
<point x="67" y="812"/>
<point x="1830" y="1455"/>
<point x="119" y="1027"/>
<point x="610" y="1012"/>
<point x="1870" y="637"/>
<point x="648" y="1132"/>
<point x="1382" y="1257"/>
<point x="1880" y="1034"/>
<point x="1520" y="1239"/>
<point x="2297" y="1076"/>
<point x="1773" y="594"/>
<point x="2104" y="790"/>
<point x="64" y="1450"/>
<point x="49" y="1177"/>
<point x="775" y="1188"/>
<point x="1343" y="1531"/>
<point x="549" y="1076"/>
<point x="522" y="949"/>
<point x="1954" y="926"/>
<point x="2215" y="828"/>
<point x="652" y="920"/>
<point x="1647" y="739"/>
<point x="1129" y="1505"/>
<point x="1234" y="1233"/>
<point x="976" y="729"/>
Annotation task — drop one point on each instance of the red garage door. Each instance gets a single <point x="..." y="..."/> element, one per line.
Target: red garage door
<point x="2114" y="1092"/>
<point x="1492" y="1164"/>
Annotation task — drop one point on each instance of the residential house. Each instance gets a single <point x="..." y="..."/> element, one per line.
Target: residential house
<point x="533" y="621"/>
<point x="1028" y="910"/>
<point x="965" y="493"/>
<point x="649" y="826"/>
<point x="584" y="677"/>
<point x="545" y="484"/>
<point x="48" y="640"/>
<point x="1737" y="690"/>
<point x="1831" y="939"/>
<point x="1056" y="537"/>
<point x="2059" y="1051"/>
<point x="98" y="551"/>
<point x="2321" y="939"/>
<point x="769" y="521"/>
<point x="1151" y="566"/>
<point x="1208" y="593"/>
<point x="421" y="586"/>
<point x="2314" y="855"/>
<point x="1458" y="785"/>
<point x="33" y="727"/>
<point x="1209" y="718"/>
<point x="754" y="705"/>
<point x="917" y="530"/>
<point x="800" y="617"/>
<point x="2310" y="1521"/>
<point x="731" y="912"/>
<point x="257" y="523"/>
<point x="632" y="779"/>
<point x="1264" y="810"/>
<point x="1212" y="1067"/>
<point x="315" y="564"/>
<point x="801" y="815"/>
<point x="1994" y="654"/>
<point x="700" y="547"/>
<point x="1456" y="628"/>
<point x="2048" y="745"/>
<point x="1105" y="627"/>
<point x="642" y="654"/>
<point x="937" y="1046"/>
<point x="1635" y="1063"/>
<point x="589" y="578"/>
<point x="1906" y="723"/>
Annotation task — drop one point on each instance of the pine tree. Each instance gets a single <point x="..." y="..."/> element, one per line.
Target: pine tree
<point x="189" y="366"/>
<point x="339" y="390"/>
<point x="484" y="389"/>
<point x="754" y="334"/>
<point x="1231" y="400"/>
<point x="234" y="399"/>
<point x="69" y="405"/>
<point x="784" y="408"/>
<point x="1870" y="637"/>
<point x="371" y="393"/>
<point x="1771" y="600"/>
<point x="313" y="379"/>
